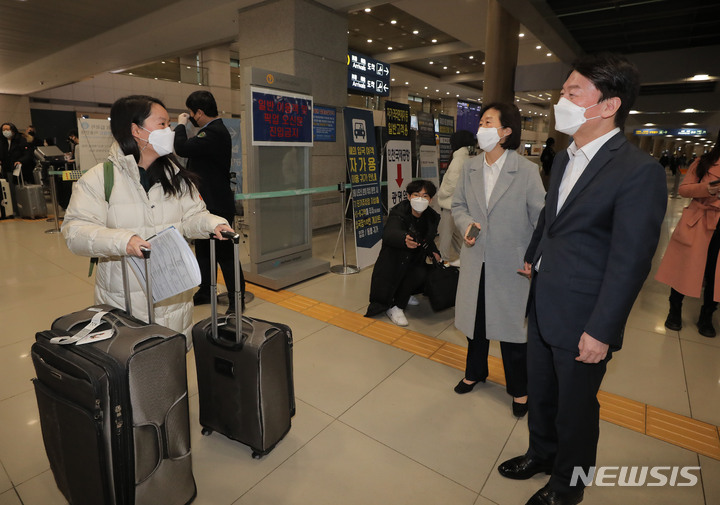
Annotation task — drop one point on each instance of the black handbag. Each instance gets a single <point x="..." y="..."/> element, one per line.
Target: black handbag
<point x="441" y="285"/>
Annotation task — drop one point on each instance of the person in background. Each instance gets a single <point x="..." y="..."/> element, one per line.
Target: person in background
<point x="499" y="196"/>
<point x="462" y="143"/>
<point x="408" y="239"/>
<point x="15" y="157"/>
<point x="692" y="254"/>
<point x="32" y="138"/>
<point x="150" y="192"/>
<point x="547" y="156"/>
<point x="209" y="155"/>
<point x="590" y="254"/>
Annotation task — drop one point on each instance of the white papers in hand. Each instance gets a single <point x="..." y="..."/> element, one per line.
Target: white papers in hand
<point x="173" y="266"/>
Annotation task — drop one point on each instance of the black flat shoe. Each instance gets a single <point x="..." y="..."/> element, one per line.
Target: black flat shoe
<point x="547" y="496"/>
<point x="201" y="298"/>
<point x="463" y="387"/>
<point x="519" y="409"/>
<point x="523" y="467"/>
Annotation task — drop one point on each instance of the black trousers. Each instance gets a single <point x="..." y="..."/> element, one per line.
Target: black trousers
<point x="514" y="356"/>
<point x="412" y="282"/>
<point x="564" y="414"/>
<point x="709" y="302"/>
<point x="226" y="258"/>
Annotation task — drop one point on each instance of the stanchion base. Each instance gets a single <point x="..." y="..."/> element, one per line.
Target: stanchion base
<point x="52" y="230"/>
<point x="223" y="298"/>
<point x="344" y="269"/>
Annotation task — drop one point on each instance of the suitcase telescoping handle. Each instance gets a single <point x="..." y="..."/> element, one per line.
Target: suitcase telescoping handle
<point x="126" y="284"/>
<point x="235" y="237"/>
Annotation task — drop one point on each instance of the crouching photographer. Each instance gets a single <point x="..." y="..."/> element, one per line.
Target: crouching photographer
<point x="408" y="239"/>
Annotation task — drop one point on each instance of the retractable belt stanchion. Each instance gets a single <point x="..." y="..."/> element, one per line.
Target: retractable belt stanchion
<point x="343" y="269"/>
<point x="56" y="210"/>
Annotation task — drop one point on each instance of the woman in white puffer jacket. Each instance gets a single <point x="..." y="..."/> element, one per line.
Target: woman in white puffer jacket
<point x="149" y="193"/>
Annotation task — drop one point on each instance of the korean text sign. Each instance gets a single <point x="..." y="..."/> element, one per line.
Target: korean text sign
<point x="281" y="118"/>
<point x="364" y="175"/>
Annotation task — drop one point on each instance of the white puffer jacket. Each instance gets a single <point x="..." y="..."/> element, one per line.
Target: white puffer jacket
<point x="451" y="178"/>
<point x="93" y="227"/>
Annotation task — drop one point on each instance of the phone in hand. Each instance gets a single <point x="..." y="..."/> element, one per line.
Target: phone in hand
<point x="473" y="232"/>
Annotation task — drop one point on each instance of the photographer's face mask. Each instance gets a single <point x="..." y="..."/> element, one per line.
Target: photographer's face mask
<point x="419" y="204"/>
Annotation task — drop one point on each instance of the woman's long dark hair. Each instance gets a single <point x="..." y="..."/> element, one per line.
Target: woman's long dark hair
<point x="136" y="109"/>
<point x="708" y="159"/>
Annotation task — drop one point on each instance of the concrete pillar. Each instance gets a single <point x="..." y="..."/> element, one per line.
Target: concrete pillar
<point x="645" y="143"/>
<point x="501" y="49"/>
<point x="657" y="146"/>
<point x="449" y="107"/>
<point x="398" y="94"/>
<point x="307" y="40"/>
<point x="216" y="61"/>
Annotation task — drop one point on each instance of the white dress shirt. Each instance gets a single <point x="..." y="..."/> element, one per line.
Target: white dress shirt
<point x="491" y="174"/>
<point x="580" y="158"/>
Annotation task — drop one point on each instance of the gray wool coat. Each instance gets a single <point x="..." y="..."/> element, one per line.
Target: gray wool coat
<point x="507" y="225"/>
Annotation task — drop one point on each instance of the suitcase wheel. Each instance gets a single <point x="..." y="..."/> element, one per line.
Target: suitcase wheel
<point x="207" y="431"/>
<point x="256" y="455"/>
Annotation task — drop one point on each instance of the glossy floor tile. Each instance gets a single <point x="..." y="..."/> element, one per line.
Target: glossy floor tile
<point x="375" y="423"/>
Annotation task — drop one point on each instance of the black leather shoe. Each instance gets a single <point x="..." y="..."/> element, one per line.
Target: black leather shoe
<point x="550" y="497"/>
<point x="463" y="387"/>
<point x="519" y="409"/>
<point x="201" y="298"/>
<point x="523" y="467"/>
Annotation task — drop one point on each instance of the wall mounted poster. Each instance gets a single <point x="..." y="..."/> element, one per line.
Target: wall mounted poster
<point x="281" y="118"/>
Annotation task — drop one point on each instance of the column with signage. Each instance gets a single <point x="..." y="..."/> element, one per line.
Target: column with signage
<point x="280" y="121"/>
<point x="446" y="129"/>
<point x="398" y="155"/>
<point x="428" y="148"/>
<point x="363" y="173"/>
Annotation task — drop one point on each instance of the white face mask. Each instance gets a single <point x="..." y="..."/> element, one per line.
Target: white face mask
<point x="419" y="204"/>
<point x="7" y="134"/>
<point x="488" y="138"/>
<point x="569" y="117"/>
<point x="161" y="140"/>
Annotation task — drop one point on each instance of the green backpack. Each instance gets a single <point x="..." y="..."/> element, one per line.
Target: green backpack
<point x="109" y="181"/>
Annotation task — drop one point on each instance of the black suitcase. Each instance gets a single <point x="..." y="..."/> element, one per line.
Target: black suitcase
<point x="114" y="412"/>
<point x="245" y="378"/>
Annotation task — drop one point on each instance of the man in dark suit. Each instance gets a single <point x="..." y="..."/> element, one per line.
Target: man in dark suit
<point x="209" y="155"/>
<point x="589" y="256"/>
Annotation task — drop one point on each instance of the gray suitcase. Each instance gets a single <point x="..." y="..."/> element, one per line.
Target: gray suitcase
<point x="31" y="201"/>
<point x="244" y="373"/>
<point x="6" y="206"/>
<point x="114" y="413"/>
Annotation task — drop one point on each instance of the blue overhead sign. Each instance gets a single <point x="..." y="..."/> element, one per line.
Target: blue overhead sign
<point x="674" y="132"/>
<point x="366" y="75"/>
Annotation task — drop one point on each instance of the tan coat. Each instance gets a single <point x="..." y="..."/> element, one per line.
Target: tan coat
<point x="683" y="266"/>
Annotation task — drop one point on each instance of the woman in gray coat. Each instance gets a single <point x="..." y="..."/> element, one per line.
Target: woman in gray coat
<point x="497" y="203"/>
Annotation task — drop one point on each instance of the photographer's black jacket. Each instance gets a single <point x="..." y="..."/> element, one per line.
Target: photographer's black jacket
<point x="395" y="257"/>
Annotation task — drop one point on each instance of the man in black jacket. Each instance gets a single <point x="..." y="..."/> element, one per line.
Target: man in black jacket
<point x="209" y="156"/>
<point x="408" y="238"/>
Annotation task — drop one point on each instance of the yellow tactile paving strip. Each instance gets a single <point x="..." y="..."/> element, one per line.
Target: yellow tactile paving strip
<point x="675" y="429"/>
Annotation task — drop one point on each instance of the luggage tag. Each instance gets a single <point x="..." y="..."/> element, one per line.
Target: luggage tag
<point x="85" y="336"/>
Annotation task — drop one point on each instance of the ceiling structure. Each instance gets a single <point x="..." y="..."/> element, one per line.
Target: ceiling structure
<point x="49" y="43"/>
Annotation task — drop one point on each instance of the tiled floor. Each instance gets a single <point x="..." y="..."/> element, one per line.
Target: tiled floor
<point x="375" y="423"/>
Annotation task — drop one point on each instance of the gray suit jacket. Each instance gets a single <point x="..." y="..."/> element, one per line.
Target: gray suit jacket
<point x="507" y="225"/>
<point x="597" y="251"/>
